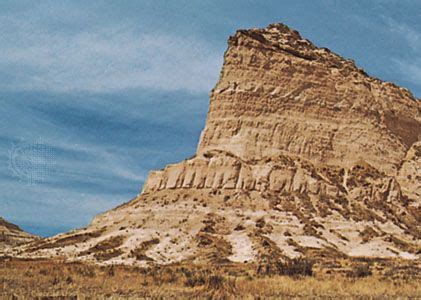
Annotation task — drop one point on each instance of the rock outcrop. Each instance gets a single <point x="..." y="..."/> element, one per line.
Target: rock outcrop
<point x="11" y="235"/>
<point x="303" y="153"/>
<point x="409" y="175"/>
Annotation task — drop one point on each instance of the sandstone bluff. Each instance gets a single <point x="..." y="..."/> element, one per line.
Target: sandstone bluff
<point x="303" y="154"/>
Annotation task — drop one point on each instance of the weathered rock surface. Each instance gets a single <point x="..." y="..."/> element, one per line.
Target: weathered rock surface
<point x="11" y="235"/>
<point x="409" y="175"/>
<point x="279" y="94"/>
<point x="302" y="154"/>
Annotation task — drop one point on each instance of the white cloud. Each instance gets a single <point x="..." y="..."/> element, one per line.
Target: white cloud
<point x="109" y="162"/>
<point x="412" y="36"/>
<point x="411" y="69"/>
<point x="109" y="59"/>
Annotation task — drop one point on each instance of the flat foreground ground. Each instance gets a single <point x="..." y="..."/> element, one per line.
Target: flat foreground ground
<point x="43" y="279"/>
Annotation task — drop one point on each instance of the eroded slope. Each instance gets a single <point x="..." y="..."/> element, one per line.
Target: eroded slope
<point x="11" y="235"/>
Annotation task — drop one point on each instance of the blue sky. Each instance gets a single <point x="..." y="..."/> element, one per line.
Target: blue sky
<point x="117" y="88"/>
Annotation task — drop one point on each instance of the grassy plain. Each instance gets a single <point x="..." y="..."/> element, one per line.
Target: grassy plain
<point x="363" y="279"/>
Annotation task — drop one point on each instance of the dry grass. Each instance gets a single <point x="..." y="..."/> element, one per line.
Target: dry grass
<point x="329" y="287"/>
<point x="29" y="279"/>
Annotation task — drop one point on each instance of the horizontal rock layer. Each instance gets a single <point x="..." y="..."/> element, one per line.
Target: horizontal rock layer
<point x="221" y="170"/>
<point x="279" y="94"/>
<point x="11" y="235"/>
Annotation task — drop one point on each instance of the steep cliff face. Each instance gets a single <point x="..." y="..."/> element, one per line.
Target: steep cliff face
<point x="11" y="235"/>
<point x="302" y="154"/>
<point x="280" y="97"/>
<point x="279" y="94"/>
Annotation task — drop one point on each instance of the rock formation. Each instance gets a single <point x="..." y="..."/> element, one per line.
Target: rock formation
<point x="303" y="154"/>
<point x="11" y="235"/>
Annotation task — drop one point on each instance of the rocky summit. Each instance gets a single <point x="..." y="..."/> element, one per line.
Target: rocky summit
<point x="303" y="154"/>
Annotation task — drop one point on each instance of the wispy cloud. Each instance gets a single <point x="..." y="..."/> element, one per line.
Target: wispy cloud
<point x="111" y="58"/>
<point x="410" y="68"/>
<point x="412" y="36"/>
<point x="83" y="181"/>
<point x="103" y="150"/>
<point x="105" y="96"/>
